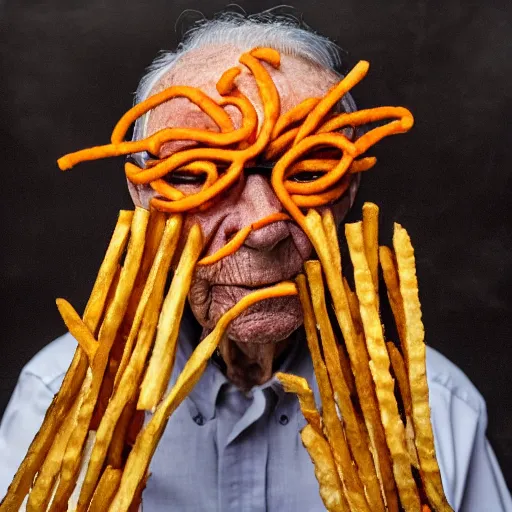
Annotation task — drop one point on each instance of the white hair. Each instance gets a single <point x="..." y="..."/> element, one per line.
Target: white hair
<point x="282" y="32"/>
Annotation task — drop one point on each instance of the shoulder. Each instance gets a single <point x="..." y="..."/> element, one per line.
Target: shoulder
<point x="445" y="379"/>
<point x="459" y="420"/>
<point x="40" y="379"/>
<point x="50" y="364"/>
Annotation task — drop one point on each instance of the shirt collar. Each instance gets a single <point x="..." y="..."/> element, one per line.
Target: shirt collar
<point x="204" y="395"/>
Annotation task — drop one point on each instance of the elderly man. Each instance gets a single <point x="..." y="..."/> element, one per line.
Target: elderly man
<point x="234" y="443"/>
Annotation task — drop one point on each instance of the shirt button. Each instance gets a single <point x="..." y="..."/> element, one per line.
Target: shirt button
<point x="283" y="419"/>
<point x="198" y="418"/>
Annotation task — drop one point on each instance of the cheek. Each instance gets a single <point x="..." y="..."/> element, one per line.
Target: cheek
<point x="301" y="241"/>
<point x="210" y="219"/>
<point x="339" y="210"/>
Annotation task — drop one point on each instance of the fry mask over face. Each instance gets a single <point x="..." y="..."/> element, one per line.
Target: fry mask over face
<point x="243" y="156"/>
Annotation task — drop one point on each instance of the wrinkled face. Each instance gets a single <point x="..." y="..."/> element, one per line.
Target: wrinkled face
<point x="269" y="255"/>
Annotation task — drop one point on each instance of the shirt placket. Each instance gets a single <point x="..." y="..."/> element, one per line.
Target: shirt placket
<point x="243" y="460"/>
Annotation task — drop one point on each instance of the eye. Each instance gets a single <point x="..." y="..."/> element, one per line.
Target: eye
<point x="306" y="177"/>
<point x="185" y="178"/>
<point x="142" y="159"/>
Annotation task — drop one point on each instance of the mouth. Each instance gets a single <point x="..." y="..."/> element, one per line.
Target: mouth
<point x="217" y="287"/>
<point x="268" y="321"/>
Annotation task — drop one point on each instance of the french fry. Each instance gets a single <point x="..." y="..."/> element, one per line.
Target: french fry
<point x="322" y="378"/>
<point x="154" y="232"/>
<point x="137" y="498"/>
<point x="379" y="366"/>
<point x="130" y="380"/>
<point x="105" y="490"/>
<point x="359" y="362"/>
<point x="300" y="387"/>
<point x="171" y="231"/>
<point x="360" y="452"/>
<point x="398" y="365"/>
<point x="390" y="273"/>
<point x="319" y="450"/>
<point x="78" y="329"/>
<point x="347" y="371"/>
<point x="331" y="233"/>
<point x="74" y="377"/>
<point x="371" y="243"/>
<point x="416" y="366"/>
<point x="119" y="437"/>
<point x="161" y="362"/>
<point x="108" y="331"/>
<point x="353" y="304"/>
<point x="96" y="304"/>
<point x="41" y="491"/>
<point x="147" y="441"/>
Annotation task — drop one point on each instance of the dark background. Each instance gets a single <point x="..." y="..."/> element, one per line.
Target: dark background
<point x="67" y="73"/>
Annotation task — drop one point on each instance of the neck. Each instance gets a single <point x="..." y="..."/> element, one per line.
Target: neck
<point x="251" y="364"/>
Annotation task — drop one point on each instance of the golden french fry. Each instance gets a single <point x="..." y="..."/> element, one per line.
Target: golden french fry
<point x="331" y="421"/>
<point x="333" y="490"/>
<point x="331" y="233"/>
<point x="74" y="377"/>
<point x="119" y="437"/>
<point x="353" y="304"/>
<point x="390" y="273"/>
<point x="123" y="344"/>
<point x="371" y="243"/>
<point x="171" y="232"/>
<point x="347" y="371"/>
<point x="161" y="362"/>
<point x="78" y="329"/>
<point x="154" y="232"/>
<point x="416" y="365"/>
<point x="129" y="383"/>
<point x="147" y="441"/>
<point x="41" y="491"/>
<point x="300" y="387"/>
<point x="319" y="450"/>
<point x="107" y="334"/>
<point x="356" y="440"/>
<point x="358" y="360"/>
<point x="107" y="487"/>
<point x="379" y="366"/>
<point x="156" y="227"/>
<point x="96" y="303"/>
<point x="398" y="365"/>
<point x="137" y="499"/>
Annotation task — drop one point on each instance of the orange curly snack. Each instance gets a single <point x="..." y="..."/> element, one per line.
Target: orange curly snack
<point x="292" y="137"/>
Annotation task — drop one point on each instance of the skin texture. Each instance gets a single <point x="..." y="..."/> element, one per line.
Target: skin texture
<point x="269" y="255"/>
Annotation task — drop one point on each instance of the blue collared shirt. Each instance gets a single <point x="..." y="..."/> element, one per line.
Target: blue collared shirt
<point x="224" y="450"/>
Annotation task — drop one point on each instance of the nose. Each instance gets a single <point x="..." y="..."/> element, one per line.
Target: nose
<point x="256" y="202"/>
